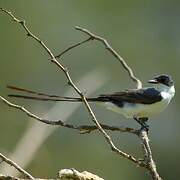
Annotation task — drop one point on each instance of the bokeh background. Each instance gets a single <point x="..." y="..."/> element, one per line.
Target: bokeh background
<point x="145" y="33"/>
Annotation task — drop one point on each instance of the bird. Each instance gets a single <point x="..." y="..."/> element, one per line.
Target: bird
<point x="139" y="104"/>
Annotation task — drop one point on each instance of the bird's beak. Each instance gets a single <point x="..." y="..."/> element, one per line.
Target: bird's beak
<point x="153" y="81"/>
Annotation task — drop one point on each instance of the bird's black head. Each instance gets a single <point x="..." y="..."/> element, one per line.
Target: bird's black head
<point x="162" y="79"/>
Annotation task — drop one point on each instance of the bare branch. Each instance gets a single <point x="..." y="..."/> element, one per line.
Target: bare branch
<point x="88" y="129"/>
<point x="11" y="163"/>
<point x="83" y="129"/>
<point x="92" y="36"/>
<point x="114" y="53"/>
<point x="148" y="155"/>
<point x="73" y="46"/>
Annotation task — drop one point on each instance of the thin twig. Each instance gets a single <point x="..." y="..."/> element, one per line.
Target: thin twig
<point x="114" y="53"/>
<point x="83" y="129"/>
<point x="11" y="163"/>
<point x="148" y="155"/>
<point x="92" y="36"/>
<point x="73" y="46"/>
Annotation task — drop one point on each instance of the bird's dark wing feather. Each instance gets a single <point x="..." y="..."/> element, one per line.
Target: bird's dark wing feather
<point x="141" y="96"/>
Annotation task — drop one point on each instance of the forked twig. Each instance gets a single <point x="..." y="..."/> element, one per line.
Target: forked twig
<point x="92" y="36"/>
<point x="114" y="53"/>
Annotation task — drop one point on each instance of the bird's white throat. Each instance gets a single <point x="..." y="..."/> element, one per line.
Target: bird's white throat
<point x="166" y="92"/>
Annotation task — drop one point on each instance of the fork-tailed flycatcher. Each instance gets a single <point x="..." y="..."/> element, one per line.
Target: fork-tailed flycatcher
<point x="139" y="104"/>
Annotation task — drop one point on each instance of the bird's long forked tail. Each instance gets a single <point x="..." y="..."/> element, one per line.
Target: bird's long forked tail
<point x="43" y="96"/>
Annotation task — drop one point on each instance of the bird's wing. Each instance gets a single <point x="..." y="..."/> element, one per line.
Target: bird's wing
<point x="141" y="96"/>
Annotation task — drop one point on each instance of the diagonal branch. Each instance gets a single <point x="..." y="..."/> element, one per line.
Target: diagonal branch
<point x="11" y="163"/>
<point x="114" y="53"/>
<point x="73" y="46"/>
<point x="148" y="155"/>
<point x="92" y="36"/>
<point x="83" y="129"/>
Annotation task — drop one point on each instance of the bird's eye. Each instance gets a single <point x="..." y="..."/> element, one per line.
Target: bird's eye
<point x="164" y="80"/>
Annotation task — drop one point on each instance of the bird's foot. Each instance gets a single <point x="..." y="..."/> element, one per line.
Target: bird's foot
<point x="142" y="122"/>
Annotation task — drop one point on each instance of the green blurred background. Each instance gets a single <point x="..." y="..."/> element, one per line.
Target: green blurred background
<point x="145" y="33"/>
